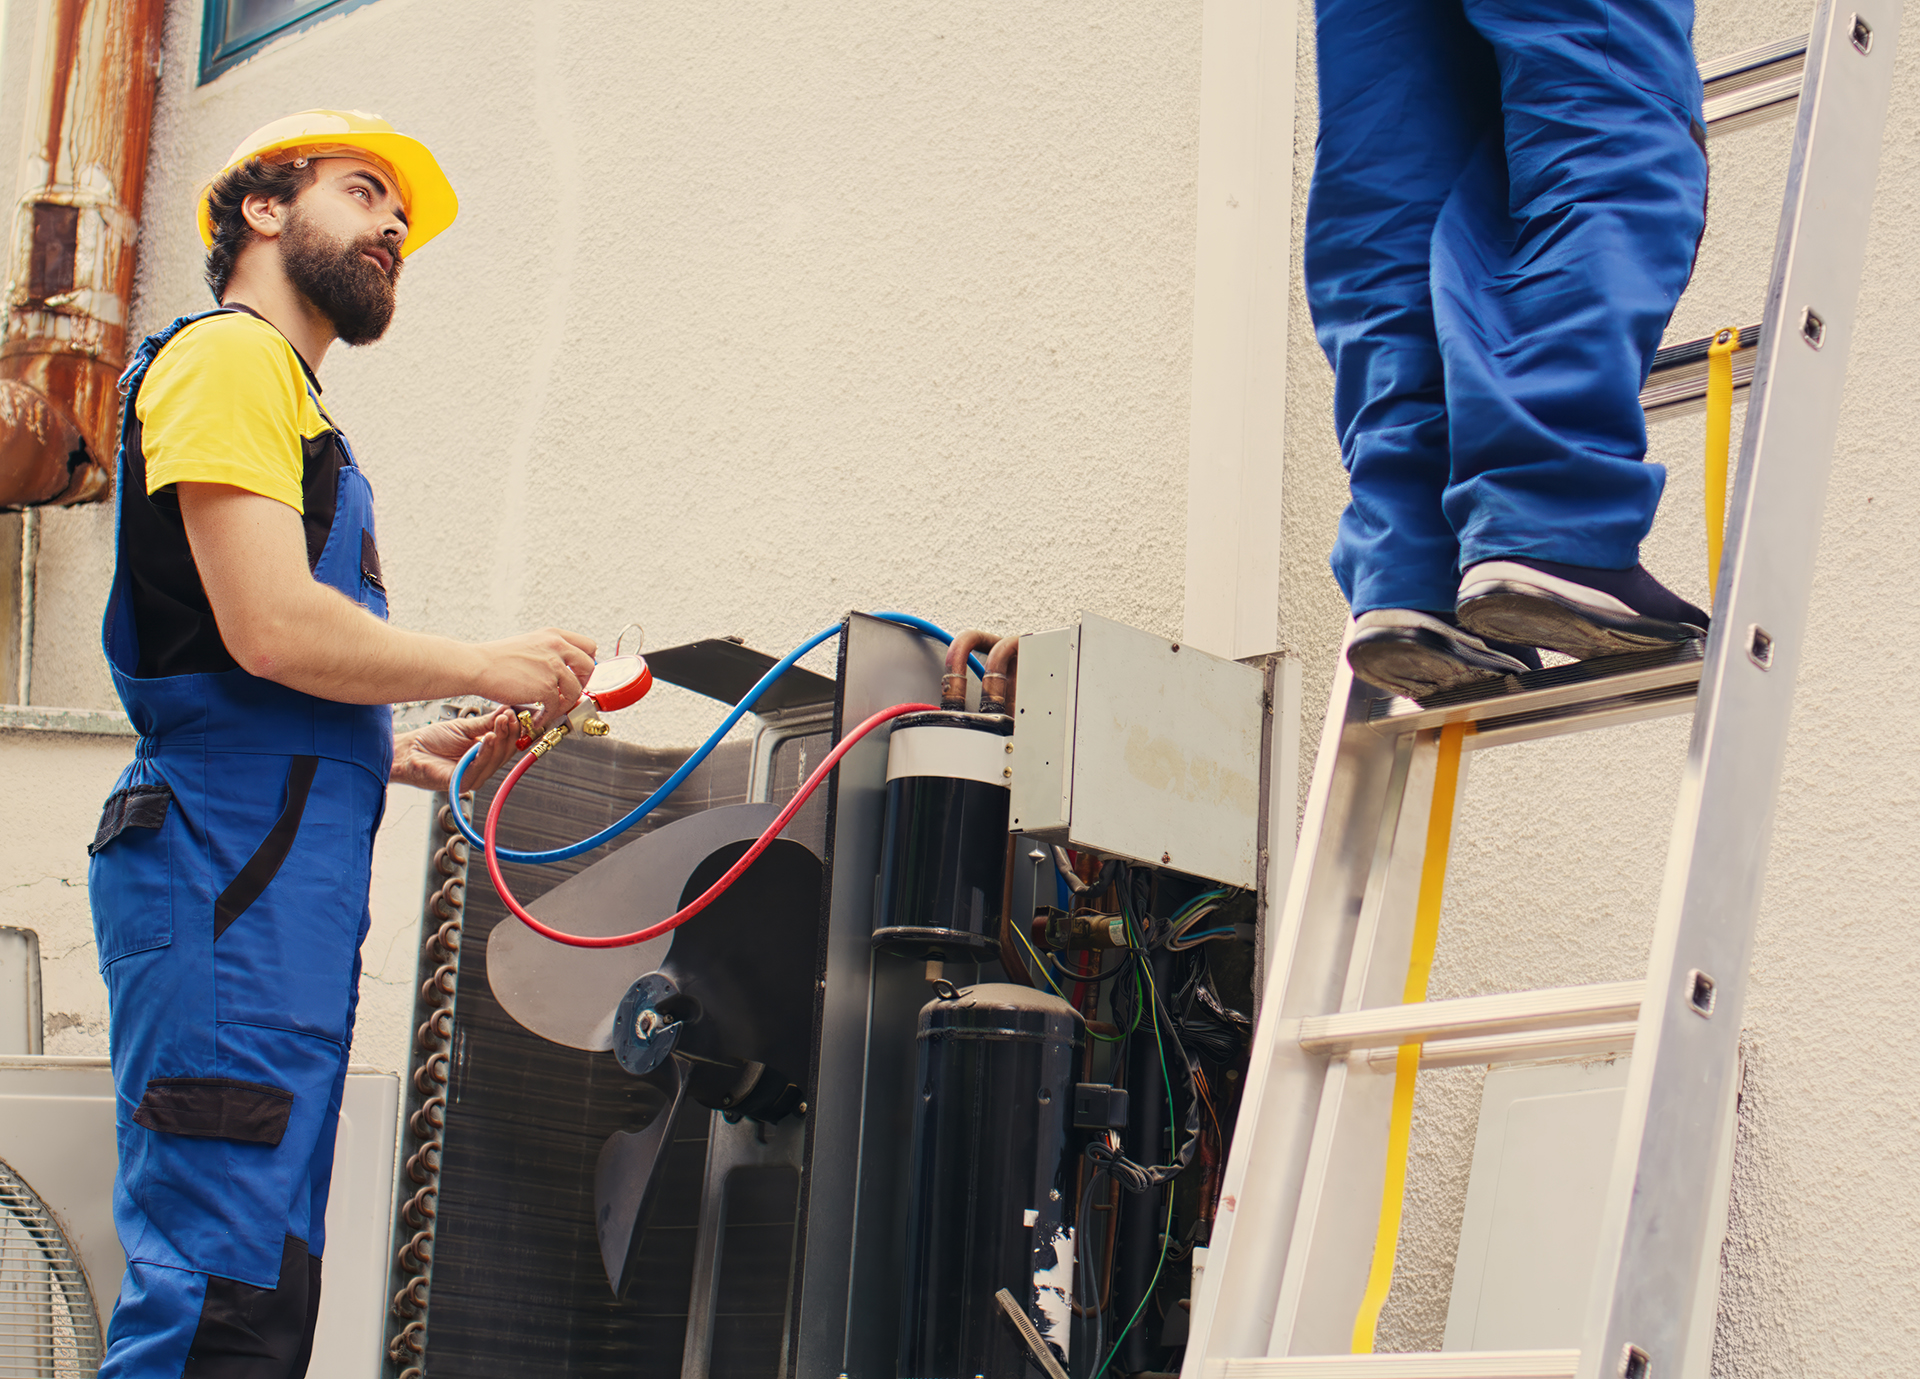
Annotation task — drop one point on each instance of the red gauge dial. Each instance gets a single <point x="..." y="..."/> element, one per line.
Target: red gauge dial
<point x="619" y="681"/>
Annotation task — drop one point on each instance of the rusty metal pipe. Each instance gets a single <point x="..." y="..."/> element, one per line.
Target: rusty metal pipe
<point x="996" y="686"/>
<point x="953" y="685"/>
<point x="83" y="167"/>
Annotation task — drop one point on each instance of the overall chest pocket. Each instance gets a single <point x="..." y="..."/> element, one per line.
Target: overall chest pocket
<point x="130" y="874"/>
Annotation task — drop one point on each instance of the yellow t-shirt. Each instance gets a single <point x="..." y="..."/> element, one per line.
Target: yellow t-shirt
<point x="227" y="402"/>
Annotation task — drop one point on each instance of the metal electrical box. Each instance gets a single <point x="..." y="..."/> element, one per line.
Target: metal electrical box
<point x="1134" y="746"/>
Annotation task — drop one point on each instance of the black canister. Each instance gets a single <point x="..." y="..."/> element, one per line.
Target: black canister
<point x="944" y="854"/>
<point x="990" y="1202"/>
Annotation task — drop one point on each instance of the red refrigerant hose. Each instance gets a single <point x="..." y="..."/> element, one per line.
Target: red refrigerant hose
<point x="706" y="897"/>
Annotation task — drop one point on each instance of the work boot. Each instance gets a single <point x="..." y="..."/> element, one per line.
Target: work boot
<point x="1577" y="611"/>
<point x="1415" y="654"/>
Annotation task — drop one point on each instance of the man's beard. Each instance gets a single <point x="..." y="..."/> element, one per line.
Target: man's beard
<point x="348" y="288"/>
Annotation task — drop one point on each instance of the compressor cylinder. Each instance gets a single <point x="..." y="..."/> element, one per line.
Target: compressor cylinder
<point x="991" y="1200"/>
<point x="943" y="858"/>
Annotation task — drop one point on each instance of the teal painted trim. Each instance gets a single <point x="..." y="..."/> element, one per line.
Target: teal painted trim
<point x="218" y="54"/>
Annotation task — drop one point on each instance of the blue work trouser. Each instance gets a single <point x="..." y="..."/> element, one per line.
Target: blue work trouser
<point x="1507" y="197"/>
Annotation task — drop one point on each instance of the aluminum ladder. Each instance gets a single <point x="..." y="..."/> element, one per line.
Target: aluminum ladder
<point x="1301" y="1201"/>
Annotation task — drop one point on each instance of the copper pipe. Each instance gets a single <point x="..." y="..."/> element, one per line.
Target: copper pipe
<point x="1112" y="1207"/>
<point x="1010" y="961"/>
<point x="953" y="685"/>
<point x="83" y="167"/>
<point x="996" y="686"/>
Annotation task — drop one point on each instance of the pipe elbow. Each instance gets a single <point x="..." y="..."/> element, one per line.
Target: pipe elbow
<point x="953" y="684"/>
<point x="44" y="456"/>
<point x="996" y="686"/>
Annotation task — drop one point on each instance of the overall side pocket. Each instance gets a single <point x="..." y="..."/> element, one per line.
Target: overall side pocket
<point x="130" y="876"/>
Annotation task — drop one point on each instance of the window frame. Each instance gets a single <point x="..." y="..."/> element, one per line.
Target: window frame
<point x="218" y="56"/>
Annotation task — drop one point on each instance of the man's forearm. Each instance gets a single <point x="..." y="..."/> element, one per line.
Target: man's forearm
<point x="319" y="642"/>
<point x="281" y="624"/>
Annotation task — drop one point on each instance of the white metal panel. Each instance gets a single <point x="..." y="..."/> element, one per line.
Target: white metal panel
<point x="1166" y="753"/>
<point x="348" y="1340"/>
<point x="1539" y="1185"/>
<point x="1541" y="1163"/>
<point x="20" y="1023"/>
<point x="57" y="1132"/>
<point x="1240" y="301"/>
<point x="1043" y="731"/>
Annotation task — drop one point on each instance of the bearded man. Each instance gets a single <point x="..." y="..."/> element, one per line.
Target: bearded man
<point x="246" y="631"/>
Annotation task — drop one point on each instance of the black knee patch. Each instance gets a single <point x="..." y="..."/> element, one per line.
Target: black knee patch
<point x="259" y="1333"/>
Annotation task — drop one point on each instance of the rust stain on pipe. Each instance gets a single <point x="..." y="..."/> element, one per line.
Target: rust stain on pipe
<point x="70" y="262"/>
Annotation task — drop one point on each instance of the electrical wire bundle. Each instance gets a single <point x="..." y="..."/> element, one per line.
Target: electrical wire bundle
<point x="1184" y="931"/>
<point x="1193" y="1021"/>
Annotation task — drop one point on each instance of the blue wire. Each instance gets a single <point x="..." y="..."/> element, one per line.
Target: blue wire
<point x="692" y="763"/>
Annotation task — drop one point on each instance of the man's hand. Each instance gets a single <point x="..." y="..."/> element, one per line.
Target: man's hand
<point x="548" y="668"/>
<point x="426" y="756"/>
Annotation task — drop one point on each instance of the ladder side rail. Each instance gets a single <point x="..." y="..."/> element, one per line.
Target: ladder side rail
<point x="1659" y="1205"/>
<point x="1307" y="966"/>
<point x="1330" y="1251"/>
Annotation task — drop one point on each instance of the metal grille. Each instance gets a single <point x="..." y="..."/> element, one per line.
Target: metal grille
<point x="48" y="1327"/>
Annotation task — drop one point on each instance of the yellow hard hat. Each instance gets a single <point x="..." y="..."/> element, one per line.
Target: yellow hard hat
<point x="424" y="189"/>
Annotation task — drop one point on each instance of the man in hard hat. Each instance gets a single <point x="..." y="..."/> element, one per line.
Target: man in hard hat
<point x="247" y="635"/>
<point x="1506" y="202"/>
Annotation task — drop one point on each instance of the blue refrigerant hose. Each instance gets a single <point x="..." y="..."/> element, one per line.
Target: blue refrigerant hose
<point x="692" y="763"/>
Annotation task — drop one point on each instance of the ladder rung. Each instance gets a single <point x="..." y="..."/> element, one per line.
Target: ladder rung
<point x="1756" y="85"/>
<point x="1677" y="382"/>
<point x="1643" y="684"/>
<point x="1752" y="104"/>
<point x="1516" y="1012"/>
<point x="1459" y="1364"/>
<point x="1753" y="65"/>
<point x="1581" y="1041"/>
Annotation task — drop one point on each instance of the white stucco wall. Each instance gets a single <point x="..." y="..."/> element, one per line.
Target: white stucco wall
<point x="49" y="805"/>
<point x="753" y="316"/>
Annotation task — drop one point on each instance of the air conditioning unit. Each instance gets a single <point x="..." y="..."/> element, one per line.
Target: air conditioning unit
<point x="60" y="1260"/>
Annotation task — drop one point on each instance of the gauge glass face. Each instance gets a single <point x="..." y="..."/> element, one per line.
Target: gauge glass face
<point x="619" y="681"/>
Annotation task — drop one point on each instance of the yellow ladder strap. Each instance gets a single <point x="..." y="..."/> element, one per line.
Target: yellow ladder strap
<point x="1719" y="444"/>
<point x="1426" y="937"/>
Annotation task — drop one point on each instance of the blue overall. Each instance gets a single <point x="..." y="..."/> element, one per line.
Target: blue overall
<point x="229" y="890"/>
<point x="1507" y="196"/>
